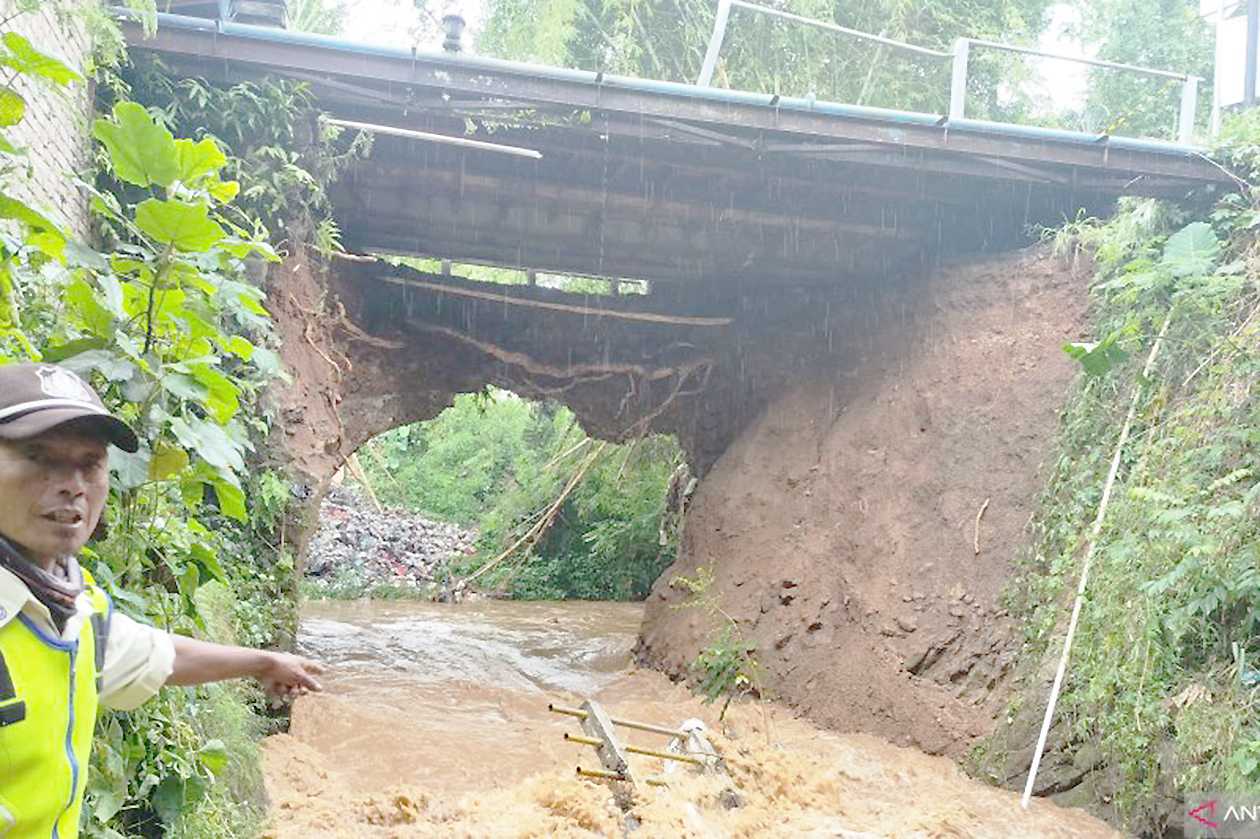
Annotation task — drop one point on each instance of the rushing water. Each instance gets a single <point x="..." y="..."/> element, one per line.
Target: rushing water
<point x="434" y="723"/>
<point x="459" y="692"/>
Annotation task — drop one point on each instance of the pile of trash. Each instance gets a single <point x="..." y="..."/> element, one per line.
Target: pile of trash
<point x="358" y="546"/>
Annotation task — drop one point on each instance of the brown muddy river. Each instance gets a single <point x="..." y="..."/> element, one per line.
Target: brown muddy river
<point x="434" y="723"/>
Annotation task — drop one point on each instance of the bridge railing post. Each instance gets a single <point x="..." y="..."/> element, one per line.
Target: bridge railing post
<point x="715" y="44"/>
<point x="958" y="81"/>
<point x="1189" y="104"/>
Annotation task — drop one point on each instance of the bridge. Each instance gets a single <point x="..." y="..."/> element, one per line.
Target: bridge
<point x="780" y="237"/>
<point x="674" y="183"/>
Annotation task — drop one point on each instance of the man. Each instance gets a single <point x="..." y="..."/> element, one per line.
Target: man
<point x="63" y="648"/>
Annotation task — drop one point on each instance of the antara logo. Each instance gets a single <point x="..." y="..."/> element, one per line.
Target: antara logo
<point x="1204" y="813"/>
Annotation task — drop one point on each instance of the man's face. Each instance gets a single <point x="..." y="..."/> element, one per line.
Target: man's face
<point x="52" y="491"/>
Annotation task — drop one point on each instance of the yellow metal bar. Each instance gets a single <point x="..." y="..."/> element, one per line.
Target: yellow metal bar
<point x="638" y="750"/>
<point x="604" y="775"/>
<point x="568" y="712"/>
<point x="585" y="741"/>
<point x="639" y="726"/>
<point x="665" y="755"/>
<point x="645" y="726"/>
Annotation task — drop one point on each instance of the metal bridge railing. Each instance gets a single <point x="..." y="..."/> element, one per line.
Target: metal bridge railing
<point x="960" y="55"/>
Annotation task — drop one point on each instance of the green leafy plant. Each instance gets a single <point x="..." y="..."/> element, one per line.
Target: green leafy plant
<point x="278" y="148"/>
<point x="165" y="319"/>
<point x="726" y="667"/>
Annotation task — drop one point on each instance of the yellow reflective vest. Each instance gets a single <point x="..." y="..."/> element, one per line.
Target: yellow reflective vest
<point x="48" y="699"/>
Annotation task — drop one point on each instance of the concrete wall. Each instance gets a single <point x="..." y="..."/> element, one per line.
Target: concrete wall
<point x="55" y="128"/>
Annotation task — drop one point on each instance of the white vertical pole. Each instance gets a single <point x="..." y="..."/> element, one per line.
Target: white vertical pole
<point x="958" y="82"/>
<point x="715" y="44"/>
<point x="1189" y="104"/>
<point x="1215" y="128"/>
<point x="1094" y="532"/>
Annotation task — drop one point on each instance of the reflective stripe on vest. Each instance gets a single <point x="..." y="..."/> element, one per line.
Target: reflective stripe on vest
<point x="44" y="749"/>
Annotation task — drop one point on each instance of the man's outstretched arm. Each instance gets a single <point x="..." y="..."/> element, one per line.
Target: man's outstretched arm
<point x="282" y="674"/>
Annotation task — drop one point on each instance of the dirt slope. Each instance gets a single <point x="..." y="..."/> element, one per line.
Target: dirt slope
<point x="840" y="526"/>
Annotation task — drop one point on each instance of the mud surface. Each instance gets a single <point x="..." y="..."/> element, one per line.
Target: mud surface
<point x="435" y="724"/>
<point x="841" y="526"/>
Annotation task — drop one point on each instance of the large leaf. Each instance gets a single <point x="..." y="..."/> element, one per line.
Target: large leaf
<point x="210" y="442"/>
<point x="11" y="207"/>
<point x="167" y="462"/>
<point x="169" y="798"/>
<point x="81" y="301"/>
<point x="109" y="364"/>
<point x="24" y="58"/>
<point x="79" y="255"/>
<point x="130" y="470"/>
<point x="45" y="234"/>
<point x="1192" y="251"/>
<point x="224" y="191"/>
<point x="239" y="347"/>
<point x="231" y="500"/>
<point x="1097" y="358"/>
<point x="223" y="396"/>
<point x="75" y="347"/>
<point x="242" y="248"/>
<point x="269" y="364"/>
<point x="213" y="755"/>
<point x="12" y="107"/>
<point x="184" y="386"/>
<point x="187" y="227"/>
<point x="197" y="160"/>
<point x="141" y="150"/>
<point x="208" y="561"/>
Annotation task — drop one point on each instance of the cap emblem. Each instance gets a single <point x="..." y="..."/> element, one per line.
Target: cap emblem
<point x="60" y="383"/>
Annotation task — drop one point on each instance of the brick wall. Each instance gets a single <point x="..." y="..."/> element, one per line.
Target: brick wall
<point x="55" y="128"/>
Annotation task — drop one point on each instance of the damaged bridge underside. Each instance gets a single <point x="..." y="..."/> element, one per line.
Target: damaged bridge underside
<point x="776" y="235"/>
<point x="399" y="344"/>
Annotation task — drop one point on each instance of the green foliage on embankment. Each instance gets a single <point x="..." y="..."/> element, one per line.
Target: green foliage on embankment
<point x="162" y="308"/>
<point x="1161" y="692"/>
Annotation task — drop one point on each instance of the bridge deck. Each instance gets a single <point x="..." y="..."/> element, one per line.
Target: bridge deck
<point x="671" y="182"/>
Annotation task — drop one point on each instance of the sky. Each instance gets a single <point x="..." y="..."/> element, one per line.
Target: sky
<point x="395" y="23"/>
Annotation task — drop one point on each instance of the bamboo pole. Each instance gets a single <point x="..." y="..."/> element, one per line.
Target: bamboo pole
<point x="538" y="529"/>
<point x="360" y="475"/>
<point x="1095" y="532"/>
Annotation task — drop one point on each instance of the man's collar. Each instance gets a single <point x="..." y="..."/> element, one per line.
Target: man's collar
<point x="14" y="595"/>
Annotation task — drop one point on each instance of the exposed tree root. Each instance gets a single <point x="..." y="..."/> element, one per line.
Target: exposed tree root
<point x="542" y="368"/>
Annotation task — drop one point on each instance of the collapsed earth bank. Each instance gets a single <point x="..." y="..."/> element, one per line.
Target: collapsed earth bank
<point x="860" y="530"/>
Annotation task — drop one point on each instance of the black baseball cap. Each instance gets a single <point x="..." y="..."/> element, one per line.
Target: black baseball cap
<point x="35" y="398"/>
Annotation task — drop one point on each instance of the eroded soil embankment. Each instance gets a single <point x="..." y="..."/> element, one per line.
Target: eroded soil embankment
<point x="840" y="527"/>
